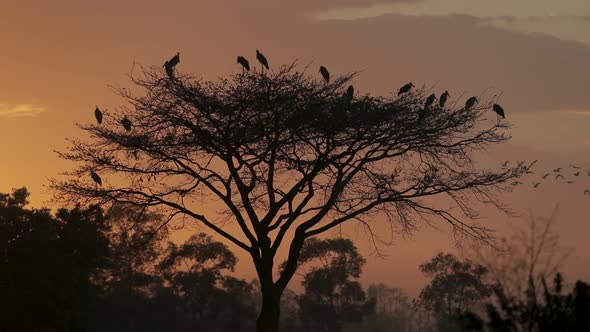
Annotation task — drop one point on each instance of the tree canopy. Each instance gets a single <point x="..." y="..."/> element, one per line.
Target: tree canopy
<point x="287" y="155"/>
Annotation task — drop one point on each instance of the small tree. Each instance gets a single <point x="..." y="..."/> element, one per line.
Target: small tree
<point x="455" y="288"/>
<point x="288" y="157"/>
<point x="331" y="295"/>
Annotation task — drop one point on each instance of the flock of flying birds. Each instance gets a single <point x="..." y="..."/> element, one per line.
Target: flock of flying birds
<point x="558" y="174"/>
<point x="170" y="65"/>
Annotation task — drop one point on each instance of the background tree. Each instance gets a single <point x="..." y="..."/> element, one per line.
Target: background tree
<point x="456" y="288"/>
<point x="46" y="264"/>
<point x="289" y="157"/>
<point x="331" y="296"/>
<point x="393" y="310"/>
<point x="195" y="273"/>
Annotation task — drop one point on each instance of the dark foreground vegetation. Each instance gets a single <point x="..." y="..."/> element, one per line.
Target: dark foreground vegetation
<point x="85" y="269"/>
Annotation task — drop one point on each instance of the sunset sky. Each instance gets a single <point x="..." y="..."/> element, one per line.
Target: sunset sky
<point x="58" y="58"/>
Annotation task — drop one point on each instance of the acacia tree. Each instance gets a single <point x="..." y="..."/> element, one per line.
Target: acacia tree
<point x="288" y="157"/>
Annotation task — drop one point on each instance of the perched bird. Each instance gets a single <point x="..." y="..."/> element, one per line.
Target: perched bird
<point x="325" y="74"/>
<point x="126" y="124"/>
<point x="96" y="178"/>
<point x="98" y="115"/>
<point x="350" y="92"/>
<point x="470" y="103"/>
<point x="559" y="176"/>
<point x="169" y="71"/>
<point x="242" y="61"/>
<point x="499" y="110"/>
<point x="430" y="100"/>
<point x="536" y="184"/>
<point x="586" y="192"/>
<point x="262" y="59"/>
<point x="406" y="88"/>
<point x="557" y="169"/>
<point x="443" y="99"/>
<point x="174" y="60"/>
<point x="545" y="176"/>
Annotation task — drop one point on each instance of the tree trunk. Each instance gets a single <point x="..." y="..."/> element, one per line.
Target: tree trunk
<point x="268" y="319"/>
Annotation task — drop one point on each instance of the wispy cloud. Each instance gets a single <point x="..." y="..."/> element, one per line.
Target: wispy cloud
<point x="566" y="19"/>
<point x="20" y="110"/>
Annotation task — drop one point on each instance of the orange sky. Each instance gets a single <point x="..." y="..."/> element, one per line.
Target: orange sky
<point x="57" y="58"/>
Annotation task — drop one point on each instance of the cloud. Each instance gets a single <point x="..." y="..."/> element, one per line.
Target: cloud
<point x="20" y="110"/>
<point x="566" y="20"/>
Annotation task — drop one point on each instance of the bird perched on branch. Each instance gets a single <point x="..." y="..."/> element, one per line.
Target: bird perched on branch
<point x="171" y="64"/>
<point x="126" y="124"/>
<point x="325" y="74"/>
<point x="96" y="178"/>
<point x="262" y="59"/>
<point x="98" y="115"/>
<point x="430" y="100"/>
<point x="405" y="89"/>
<point x="470" y="103"/>
<point x="242" y="61"/>
<point x="443" y="99"/>
<point x="499" y="110"/>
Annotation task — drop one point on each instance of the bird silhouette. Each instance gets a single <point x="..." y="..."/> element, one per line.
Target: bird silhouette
<point x="406" y="88"/>
<point x="174" y="60"/>
<point x="126" y="124"/>
<point x="242" y="61"/>
<point x="470" y="103"/>
<point x="325" y="74"/>
<point x="586" y="192"/>
<point x="348" y="95"/>
<point x="262" y="59"/>
<point x="98" y="115"/>
<point x="499" y="110"/>
<point x="559" y="176"/>
<point x="96" y="178"/>
<point x="545" y="176"/>
<point x="443" y="99"/>
<point x="430" y="100"/>
<point x="557" y="169"/>
<point x="536" y="184"/>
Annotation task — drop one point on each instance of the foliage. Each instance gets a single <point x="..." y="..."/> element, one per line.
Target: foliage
<point x="331" y="297"/>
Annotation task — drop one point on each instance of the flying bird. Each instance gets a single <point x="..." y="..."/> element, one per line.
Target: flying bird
<point x="126" y="124"/>
<point x="536" y="184"/>
<point x="499" y="110"/>
<point x="98" y="115"/>
<point x="406" y="88"/>
<point x="545" y="176"/>
<point x="242" y="61"/>
<point x="430" y="100"/>
<point x="325" y="74"/>
<point x="443" y="99"/>
<point x="557" y="169"/>
<point x="96" y="178"/>
<point x="262" y="59"/>
<point x="470" y="103"/>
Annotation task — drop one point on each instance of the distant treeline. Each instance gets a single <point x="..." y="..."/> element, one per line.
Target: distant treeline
<point x="89" y="269"/>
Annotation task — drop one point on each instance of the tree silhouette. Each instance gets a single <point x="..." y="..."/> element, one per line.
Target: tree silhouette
<point x="331" y="295"/>
<point x="47" y="263"/>
<point x="287" y="159"/>
<point x="455" y="288"/>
